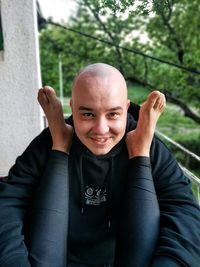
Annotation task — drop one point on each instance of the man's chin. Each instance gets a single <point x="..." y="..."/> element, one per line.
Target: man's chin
<point x="100" y="151"/>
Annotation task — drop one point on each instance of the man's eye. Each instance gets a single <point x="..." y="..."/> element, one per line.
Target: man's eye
<point x="87" y="115"/>
<point x="113" y="115"/>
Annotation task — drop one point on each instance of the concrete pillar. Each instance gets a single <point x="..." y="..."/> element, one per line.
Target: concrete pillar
<point x="20" y="118"/>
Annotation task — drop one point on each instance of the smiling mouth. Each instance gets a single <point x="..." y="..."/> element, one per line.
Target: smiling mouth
<point x="100" y="141"/>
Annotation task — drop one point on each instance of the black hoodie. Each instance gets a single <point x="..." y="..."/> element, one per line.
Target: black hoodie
<point x="94" y="205"/>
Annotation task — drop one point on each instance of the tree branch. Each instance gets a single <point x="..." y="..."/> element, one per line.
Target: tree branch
<point x="172" y="99"/>
<point x="180" y="50"/>
<point x="111" y="37"/>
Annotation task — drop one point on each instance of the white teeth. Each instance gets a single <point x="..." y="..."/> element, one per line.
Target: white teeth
<point x="100" y="140"/>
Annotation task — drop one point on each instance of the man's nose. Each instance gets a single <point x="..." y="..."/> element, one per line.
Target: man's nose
<point x="101" y="126"/>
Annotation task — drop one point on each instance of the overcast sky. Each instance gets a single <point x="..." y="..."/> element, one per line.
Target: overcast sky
<point x="58" y="9"/>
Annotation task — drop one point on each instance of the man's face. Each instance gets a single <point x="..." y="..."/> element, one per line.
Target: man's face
<point x="99" y="110"/>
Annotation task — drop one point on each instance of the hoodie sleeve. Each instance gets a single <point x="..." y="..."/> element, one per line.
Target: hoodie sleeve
<point x="47" y="237"/>
<point x="179" y="236"/>
<point x="16" y="193"/>
<point x="140" y="217"/>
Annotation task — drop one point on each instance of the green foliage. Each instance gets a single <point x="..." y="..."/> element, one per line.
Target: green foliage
<point x="113" y="5"/>
<point x="136" y="93"/>
<point x="172" y="29"/>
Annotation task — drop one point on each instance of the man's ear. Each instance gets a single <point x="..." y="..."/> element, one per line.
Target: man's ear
<point x="128" y="103"/>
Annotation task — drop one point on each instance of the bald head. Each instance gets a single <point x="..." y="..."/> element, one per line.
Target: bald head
<point x="99" y="72"/>
<point x="100" y="69"/>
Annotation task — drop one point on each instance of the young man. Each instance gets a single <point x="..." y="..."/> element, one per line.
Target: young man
<point x="98" y="191"/>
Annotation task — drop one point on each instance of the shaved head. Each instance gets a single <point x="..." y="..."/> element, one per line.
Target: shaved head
<point x="100" y="71"/>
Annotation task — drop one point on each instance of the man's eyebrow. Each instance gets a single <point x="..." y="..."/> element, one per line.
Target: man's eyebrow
<point x="115" y="108"/>
<point x="82" y="108"/>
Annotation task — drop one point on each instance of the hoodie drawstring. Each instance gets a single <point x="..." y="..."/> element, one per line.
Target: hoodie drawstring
<point x="82" y="189"/>
<point x="109" y="193"/>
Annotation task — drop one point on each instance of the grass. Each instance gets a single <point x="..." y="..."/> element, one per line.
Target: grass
<point x="137" y="94"/>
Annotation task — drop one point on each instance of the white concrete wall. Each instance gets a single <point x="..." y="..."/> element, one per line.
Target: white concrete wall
<point x="20" y="118"/>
